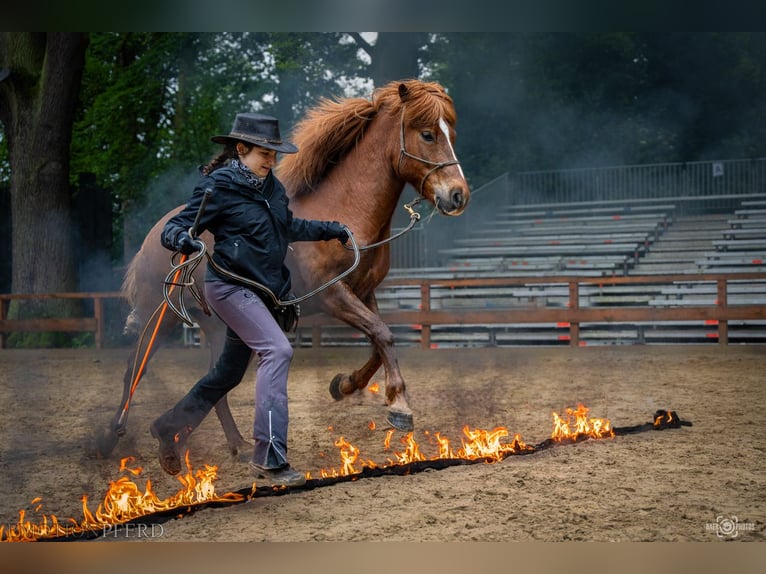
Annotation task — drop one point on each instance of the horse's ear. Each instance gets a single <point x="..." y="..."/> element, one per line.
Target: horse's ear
<point x="404" y="92"/>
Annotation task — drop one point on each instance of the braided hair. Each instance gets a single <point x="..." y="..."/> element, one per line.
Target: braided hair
<point x="222" y="159"/>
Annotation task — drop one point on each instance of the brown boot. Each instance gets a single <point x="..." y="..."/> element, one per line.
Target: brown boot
<point x="169" y="457"/>
<point x="284" y="475"/>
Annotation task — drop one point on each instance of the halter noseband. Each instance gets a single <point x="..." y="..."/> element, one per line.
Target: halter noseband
<point x="403" y="152"/>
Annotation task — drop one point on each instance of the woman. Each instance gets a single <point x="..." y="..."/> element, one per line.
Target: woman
<point x="248" y="215"/>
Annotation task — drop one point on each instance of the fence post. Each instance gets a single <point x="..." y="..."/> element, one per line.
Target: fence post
<point x="98" y="313"/>
<point x="2" y="316"/>
<point x="574" y="304"/>
<point x="723" y="303"/>
<point x="425" y="307"/>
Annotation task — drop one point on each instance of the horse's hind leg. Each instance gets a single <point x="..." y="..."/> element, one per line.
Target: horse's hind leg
<point x="109" y="437"/>
<point x="215" y="332"/>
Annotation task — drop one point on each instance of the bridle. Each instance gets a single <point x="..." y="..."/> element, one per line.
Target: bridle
<point x="404" y="153"/>
<point x="414" y="215"/>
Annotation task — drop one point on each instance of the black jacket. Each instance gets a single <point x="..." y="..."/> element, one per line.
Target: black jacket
<point x="251" y="228"/>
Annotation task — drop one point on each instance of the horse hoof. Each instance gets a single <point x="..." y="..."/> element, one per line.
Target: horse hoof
<point x="400" y="421"/>
<point x="106" y="441"/>
<point x="241" y="447"/>
<point x="335" y="391"/>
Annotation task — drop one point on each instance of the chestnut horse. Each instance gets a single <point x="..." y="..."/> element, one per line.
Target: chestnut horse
<point x="355" y="157"/>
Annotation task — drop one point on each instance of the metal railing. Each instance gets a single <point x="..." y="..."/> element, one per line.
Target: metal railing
<point x="692" y="186"/>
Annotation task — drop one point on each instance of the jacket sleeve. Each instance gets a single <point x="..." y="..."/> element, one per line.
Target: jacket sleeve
<point x="184" y="219"/>
<point x="312" y="229"/>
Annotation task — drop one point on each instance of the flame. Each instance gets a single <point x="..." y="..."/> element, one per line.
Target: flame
<point x="371" y="425"/>
<point x="411" y="451"/>
<point x="663" y="418"/>
<point x="477" y="444"/>
<point x="577" y="425"/>
<point x="374" y="388"/>
<point x="387" y="441"/>
<point x="349" y="455"/>
<point x="124" y="501"/>
<point x="487" y="444"/>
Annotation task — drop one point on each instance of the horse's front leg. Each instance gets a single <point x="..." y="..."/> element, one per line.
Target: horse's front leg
<point x="343" y="385"/>
<point x="343" y="304"/>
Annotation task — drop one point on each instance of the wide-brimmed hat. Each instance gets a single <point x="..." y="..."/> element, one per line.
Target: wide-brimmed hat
<point x="257" y="129"/>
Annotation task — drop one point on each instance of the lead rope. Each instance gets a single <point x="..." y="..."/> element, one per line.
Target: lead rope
<point x="414" y="218"/>
<point x="183" y="271"/>
<point x="185" y="267"/>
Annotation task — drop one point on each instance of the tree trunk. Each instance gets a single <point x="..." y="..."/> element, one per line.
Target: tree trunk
<point x="37" y="104"/>
<point x="396" y="56"/>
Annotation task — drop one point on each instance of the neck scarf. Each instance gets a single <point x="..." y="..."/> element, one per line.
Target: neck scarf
<point x="254" y="181"/>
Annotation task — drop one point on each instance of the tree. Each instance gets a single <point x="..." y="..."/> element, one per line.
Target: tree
<point x="308" y="66"/>
<point x="543" y="100"/>
<point x="37" y="106"/>
<point x="150" y="102"/>
<point x="394" y="55"/>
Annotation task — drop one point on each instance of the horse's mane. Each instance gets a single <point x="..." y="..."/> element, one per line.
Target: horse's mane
<point x="334" y="126"/>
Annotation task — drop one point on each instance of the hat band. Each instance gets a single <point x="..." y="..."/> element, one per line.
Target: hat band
<point x="239" y="135"/>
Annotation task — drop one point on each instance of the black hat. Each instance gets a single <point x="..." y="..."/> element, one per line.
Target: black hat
<point x="259" y="130"/>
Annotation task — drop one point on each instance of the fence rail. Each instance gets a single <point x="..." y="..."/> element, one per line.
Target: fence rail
<point x="572" y="315"/>
<point x="93" y="324"/>
<point x="426" y="317"/>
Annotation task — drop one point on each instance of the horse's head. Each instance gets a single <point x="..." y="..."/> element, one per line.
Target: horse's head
<point x="419" y="120"/>
<point x="427" y="157"/>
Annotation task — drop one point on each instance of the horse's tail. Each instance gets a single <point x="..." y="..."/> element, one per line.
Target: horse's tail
<point x="133" y="323"/>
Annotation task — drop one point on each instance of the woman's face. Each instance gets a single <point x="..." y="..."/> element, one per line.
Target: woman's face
<point x="259" y="160"/>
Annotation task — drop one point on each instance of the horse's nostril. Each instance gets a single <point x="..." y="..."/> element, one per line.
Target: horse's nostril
<point x="457" y="198"/>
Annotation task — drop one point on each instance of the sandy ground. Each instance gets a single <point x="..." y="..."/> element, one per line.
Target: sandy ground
<point x="653" y="486"/>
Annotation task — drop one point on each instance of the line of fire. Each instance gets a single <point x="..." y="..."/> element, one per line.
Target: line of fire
<point x="126" y="504"/>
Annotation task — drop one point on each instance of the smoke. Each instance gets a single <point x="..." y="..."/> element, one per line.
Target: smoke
<point x="165" y="192"/>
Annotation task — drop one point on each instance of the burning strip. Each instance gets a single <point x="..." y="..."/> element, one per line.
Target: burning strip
<point x="577" y="425"/>
<point x="125" y="503"/>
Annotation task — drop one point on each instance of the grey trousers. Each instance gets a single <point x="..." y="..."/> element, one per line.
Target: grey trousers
<point x="251" y="329"/>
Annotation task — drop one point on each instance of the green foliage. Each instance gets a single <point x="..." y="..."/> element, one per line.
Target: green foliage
<point x="310" y="66"/>
<point x="151" y="101"/>
<point x="525" y="101"/>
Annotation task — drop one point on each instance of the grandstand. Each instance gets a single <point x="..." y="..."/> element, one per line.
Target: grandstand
<point x="623" y="237"/>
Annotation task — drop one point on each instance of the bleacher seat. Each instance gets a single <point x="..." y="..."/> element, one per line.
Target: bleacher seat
<point x="571" y="240"/>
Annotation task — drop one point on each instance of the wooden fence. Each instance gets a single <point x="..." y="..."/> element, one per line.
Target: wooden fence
<point x="570" y="316"/>
<point x="94" y="324"/>
<point x="424" y="315"/>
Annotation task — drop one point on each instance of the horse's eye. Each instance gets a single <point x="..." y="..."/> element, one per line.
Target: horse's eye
<point x="427" y="136"/>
